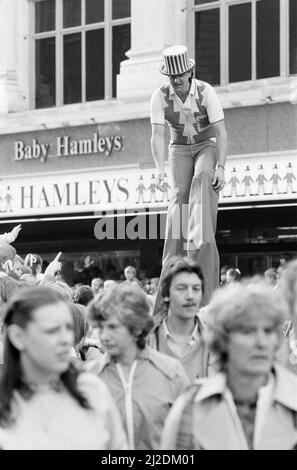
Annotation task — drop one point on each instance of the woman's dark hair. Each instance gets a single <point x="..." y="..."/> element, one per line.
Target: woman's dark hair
<point x="130" y="305"/>
<point x="177" y="265"/>
<point x="20" y="311"/>
<point x="80" y="324"/>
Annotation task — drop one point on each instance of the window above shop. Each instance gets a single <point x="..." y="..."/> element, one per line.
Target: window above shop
<point x="241" y="40"/>
<point x="239" y="45"/>
<point x="78" y="46"/>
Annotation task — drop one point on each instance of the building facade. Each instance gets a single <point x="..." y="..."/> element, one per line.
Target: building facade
<point x="75" y="85"/>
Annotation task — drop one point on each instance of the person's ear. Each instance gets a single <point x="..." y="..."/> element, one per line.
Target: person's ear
<point x="16" y="335"/>
<point x="166" y="299"/>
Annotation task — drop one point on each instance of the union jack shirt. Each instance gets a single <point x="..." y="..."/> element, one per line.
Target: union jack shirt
<point x="189" y="122"/>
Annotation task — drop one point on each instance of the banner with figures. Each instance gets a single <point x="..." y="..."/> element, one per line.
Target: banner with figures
<point x="249" y="178"/>
<point x="260" y="177"/>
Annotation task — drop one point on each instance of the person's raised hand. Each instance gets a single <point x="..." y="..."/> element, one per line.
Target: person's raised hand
<point x="14" y="233"/>
<point x="54" y="265"/>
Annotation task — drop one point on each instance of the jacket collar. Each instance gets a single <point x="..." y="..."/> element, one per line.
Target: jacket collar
<point x="285" y="390"/>
<point x="160" y="317"/>
<point x="286" y="387"/>
<point x="160" y="361"/>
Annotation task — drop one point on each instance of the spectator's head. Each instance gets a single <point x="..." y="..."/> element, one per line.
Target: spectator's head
<point x="279" y="271"/>
<point x="233" y="275"/>
<point x="26" y="270"/>
<point x="64" y="290"/>
<point x="108" y="284"/>
<point x="38" y="338"/>
<point x="271" y="276"/>
<point x="183" y="286"/>
<point x="245" y="320"/>
<point x="34" y="347"/>
<point x="18" y="265"/>
<point x="283" y="260"/>
<point x="7" y="252"/>
<point x="130" y="273"/>
<point x="148" y="286"/>
<point x="123" y="315"/>
<point x="83" y="295"/>
<point x="97" y="284"/>
<point x="8" y="286"/>
<point x="34" y="262"/>
<point x="223" y="274"/>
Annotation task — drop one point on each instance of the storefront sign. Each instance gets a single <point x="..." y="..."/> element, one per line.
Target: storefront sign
<point x="66" y="146"/>
<point x="248" y="180"/>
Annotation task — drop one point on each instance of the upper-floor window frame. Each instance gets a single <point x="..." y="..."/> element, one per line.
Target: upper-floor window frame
<point x="59" y="33"/>
<point x="223" y="6"/>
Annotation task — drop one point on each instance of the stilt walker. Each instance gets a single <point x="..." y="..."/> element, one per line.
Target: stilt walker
<point x="197" y="154"/>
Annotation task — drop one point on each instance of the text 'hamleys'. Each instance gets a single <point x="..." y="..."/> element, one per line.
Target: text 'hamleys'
<point x="66" y="146"/>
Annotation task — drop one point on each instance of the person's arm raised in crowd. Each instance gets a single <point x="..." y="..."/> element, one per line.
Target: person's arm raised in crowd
<point x="52" y="269"/>
<point x="10" y="237"/>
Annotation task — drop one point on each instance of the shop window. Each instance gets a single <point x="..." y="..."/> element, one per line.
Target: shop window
<point x="78" y="46"/>
<point x="241" y="40"/>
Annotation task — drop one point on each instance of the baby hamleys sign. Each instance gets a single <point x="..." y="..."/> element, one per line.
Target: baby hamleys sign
<point x="67" y="146"/>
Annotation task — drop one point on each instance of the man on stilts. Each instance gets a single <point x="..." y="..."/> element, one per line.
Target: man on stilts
<point x="197" y="154"/>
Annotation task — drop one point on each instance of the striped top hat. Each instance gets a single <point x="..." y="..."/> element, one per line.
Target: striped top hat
<point x="176" y="61"/>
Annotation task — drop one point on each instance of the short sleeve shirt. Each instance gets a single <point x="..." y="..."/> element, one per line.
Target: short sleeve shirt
<point x="189" y="122"/>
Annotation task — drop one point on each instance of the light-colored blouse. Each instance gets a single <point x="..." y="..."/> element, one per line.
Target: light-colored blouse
<point x="53" y="419"/>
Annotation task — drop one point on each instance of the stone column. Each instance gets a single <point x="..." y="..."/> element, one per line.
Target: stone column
<point x="14" y="17"/>
<point x="155" y="24"/>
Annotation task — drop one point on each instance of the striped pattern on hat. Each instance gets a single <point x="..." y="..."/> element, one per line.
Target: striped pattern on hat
<point x="176" y="61"/>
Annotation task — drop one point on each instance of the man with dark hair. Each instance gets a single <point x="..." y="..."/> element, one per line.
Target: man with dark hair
<point x="178" y="328"/>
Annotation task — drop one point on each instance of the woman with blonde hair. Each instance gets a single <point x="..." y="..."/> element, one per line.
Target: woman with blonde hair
<point x="251" y="403"/>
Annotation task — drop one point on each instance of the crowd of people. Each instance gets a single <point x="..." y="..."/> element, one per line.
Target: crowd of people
<point x="192" y="376"/>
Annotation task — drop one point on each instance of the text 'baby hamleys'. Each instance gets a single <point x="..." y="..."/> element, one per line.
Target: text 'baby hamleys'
<point x="66" y="146"/>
